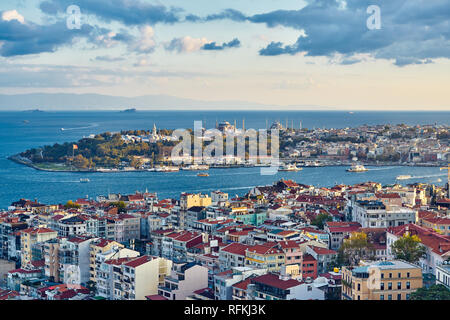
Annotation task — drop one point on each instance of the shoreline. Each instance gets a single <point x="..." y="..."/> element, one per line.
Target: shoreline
<point x="24" y="161"/>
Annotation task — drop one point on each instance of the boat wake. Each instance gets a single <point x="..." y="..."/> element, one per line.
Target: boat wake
<point x="429" y="176"/>
<point x="379" y="169"/>
<point x="80" y="128"/>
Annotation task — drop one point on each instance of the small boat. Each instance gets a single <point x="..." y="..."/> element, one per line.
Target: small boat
<point x="403" y="177"/>
<point x="84" y="180"/>
<point x="357" y="168"/>
<point x="202" y="175"/>
<point x="62" y="129"/>
<point x="194" y="167"/>
<point x="290" y="167"/>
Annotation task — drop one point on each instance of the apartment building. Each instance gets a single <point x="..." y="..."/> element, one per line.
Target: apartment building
<point x="232" y="255"/>
<point x="274" y="287"/>
<point x="224" y="281"/>
<point x="131" y="278"/>
<point x="385" y="280"/>
<point x="267" y="257"/>
<point x="184" y="280"/>
<point x="188" y="200"/>
<point x="31" y="236"/>
<point x="99" y="246"/>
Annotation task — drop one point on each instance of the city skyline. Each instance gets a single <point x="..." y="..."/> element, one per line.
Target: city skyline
<point x="265" y="53"/>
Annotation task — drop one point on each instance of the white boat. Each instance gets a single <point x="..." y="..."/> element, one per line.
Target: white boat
<point x="84" y="180"/>
<point x="403" y="177"/>
<point x="357" y="168"/>
<point x="167" y="169"/>
<point x="196" y="167"/>
<point x="290" y="167"/>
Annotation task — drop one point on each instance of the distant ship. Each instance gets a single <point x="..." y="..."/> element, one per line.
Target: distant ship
<point x="357" y="168"/>
<point x="290" y="167"/>
<point x="84" y="180"/>
<point x="403" y="177"/>
<point x="194" y="167"/>
<point x="167" y="169"/>
<point x="202" y="175"/>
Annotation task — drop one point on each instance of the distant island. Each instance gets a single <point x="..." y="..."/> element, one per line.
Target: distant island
<point x="129" y="110"/>
<point x="34" y="110"/>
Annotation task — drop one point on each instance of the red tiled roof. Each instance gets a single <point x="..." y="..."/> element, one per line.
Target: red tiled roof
<point x="235" y="248"/>
<point x="138" y="261"/>
<point x="274" y="281"/>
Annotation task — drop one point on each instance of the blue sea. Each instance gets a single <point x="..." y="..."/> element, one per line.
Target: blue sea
<point x="16" y="135"/>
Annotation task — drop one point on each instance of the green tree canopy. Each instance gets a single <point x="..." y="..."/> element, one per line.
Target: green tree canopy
<point x="320" y="219"/>
<point x="408" y="248"/>
<point x="435" y="292"/>
<point x="355" y="248"/>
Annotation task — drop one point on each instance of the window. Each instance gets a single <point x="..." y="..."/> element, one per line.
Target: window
<point x="407" y="296"/>
<point x="381" y="296"/>
<point x="407" y="274"/>
<point x="359" y="287"/>
<point x="390" y="286"/>
<point x="399" y="285"/>
<point x="382" y="286"/>
<point x="399" y="296"/>
<point x="408" y="285"/>
<point x="382" y="276"/>
<point x="390" y="297"/>
<point x="399" y="274"/>
<point x="390" y="275"/>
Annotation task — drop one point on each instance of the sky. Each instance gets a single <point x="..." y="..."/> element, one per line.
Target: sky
<point x="282" y="53"/>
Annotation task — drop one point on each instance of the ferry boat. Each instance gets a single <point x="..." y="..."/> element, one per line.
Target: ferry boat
<point x="202" y="175"/>
<point x="403" y="177"/>
<point x="194" y="167"/>
<point x="84" y="180"/>
<point x="167" y="169"/>
<point x="290" y="167"/>
<point x="357" y="168"/>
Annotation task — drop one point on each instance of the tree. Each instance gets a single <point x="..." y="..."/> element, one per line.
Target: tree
<point x="320" y="219"/>
<point x="80" y="162"/>
<point x="408" y="248"/>
<point x="72" y="205"/>
<point x="120" y="205"/>
<point x="435" y="292"/>
<point x="355" y="248"/>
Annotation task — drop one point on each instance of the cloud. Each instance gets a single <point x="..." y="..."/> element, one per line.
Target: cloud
<point x="146" y="42"/>
<point x="235" y="43"/>
<point x="411" y="30"/>
<point x="186" y="44"/>
<point x="128" y="12"/>
<point x="12" y="15"/>
<point x="16" y="75"/>
<point x="29" y="38"/>
<point x="108" y="58"/>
